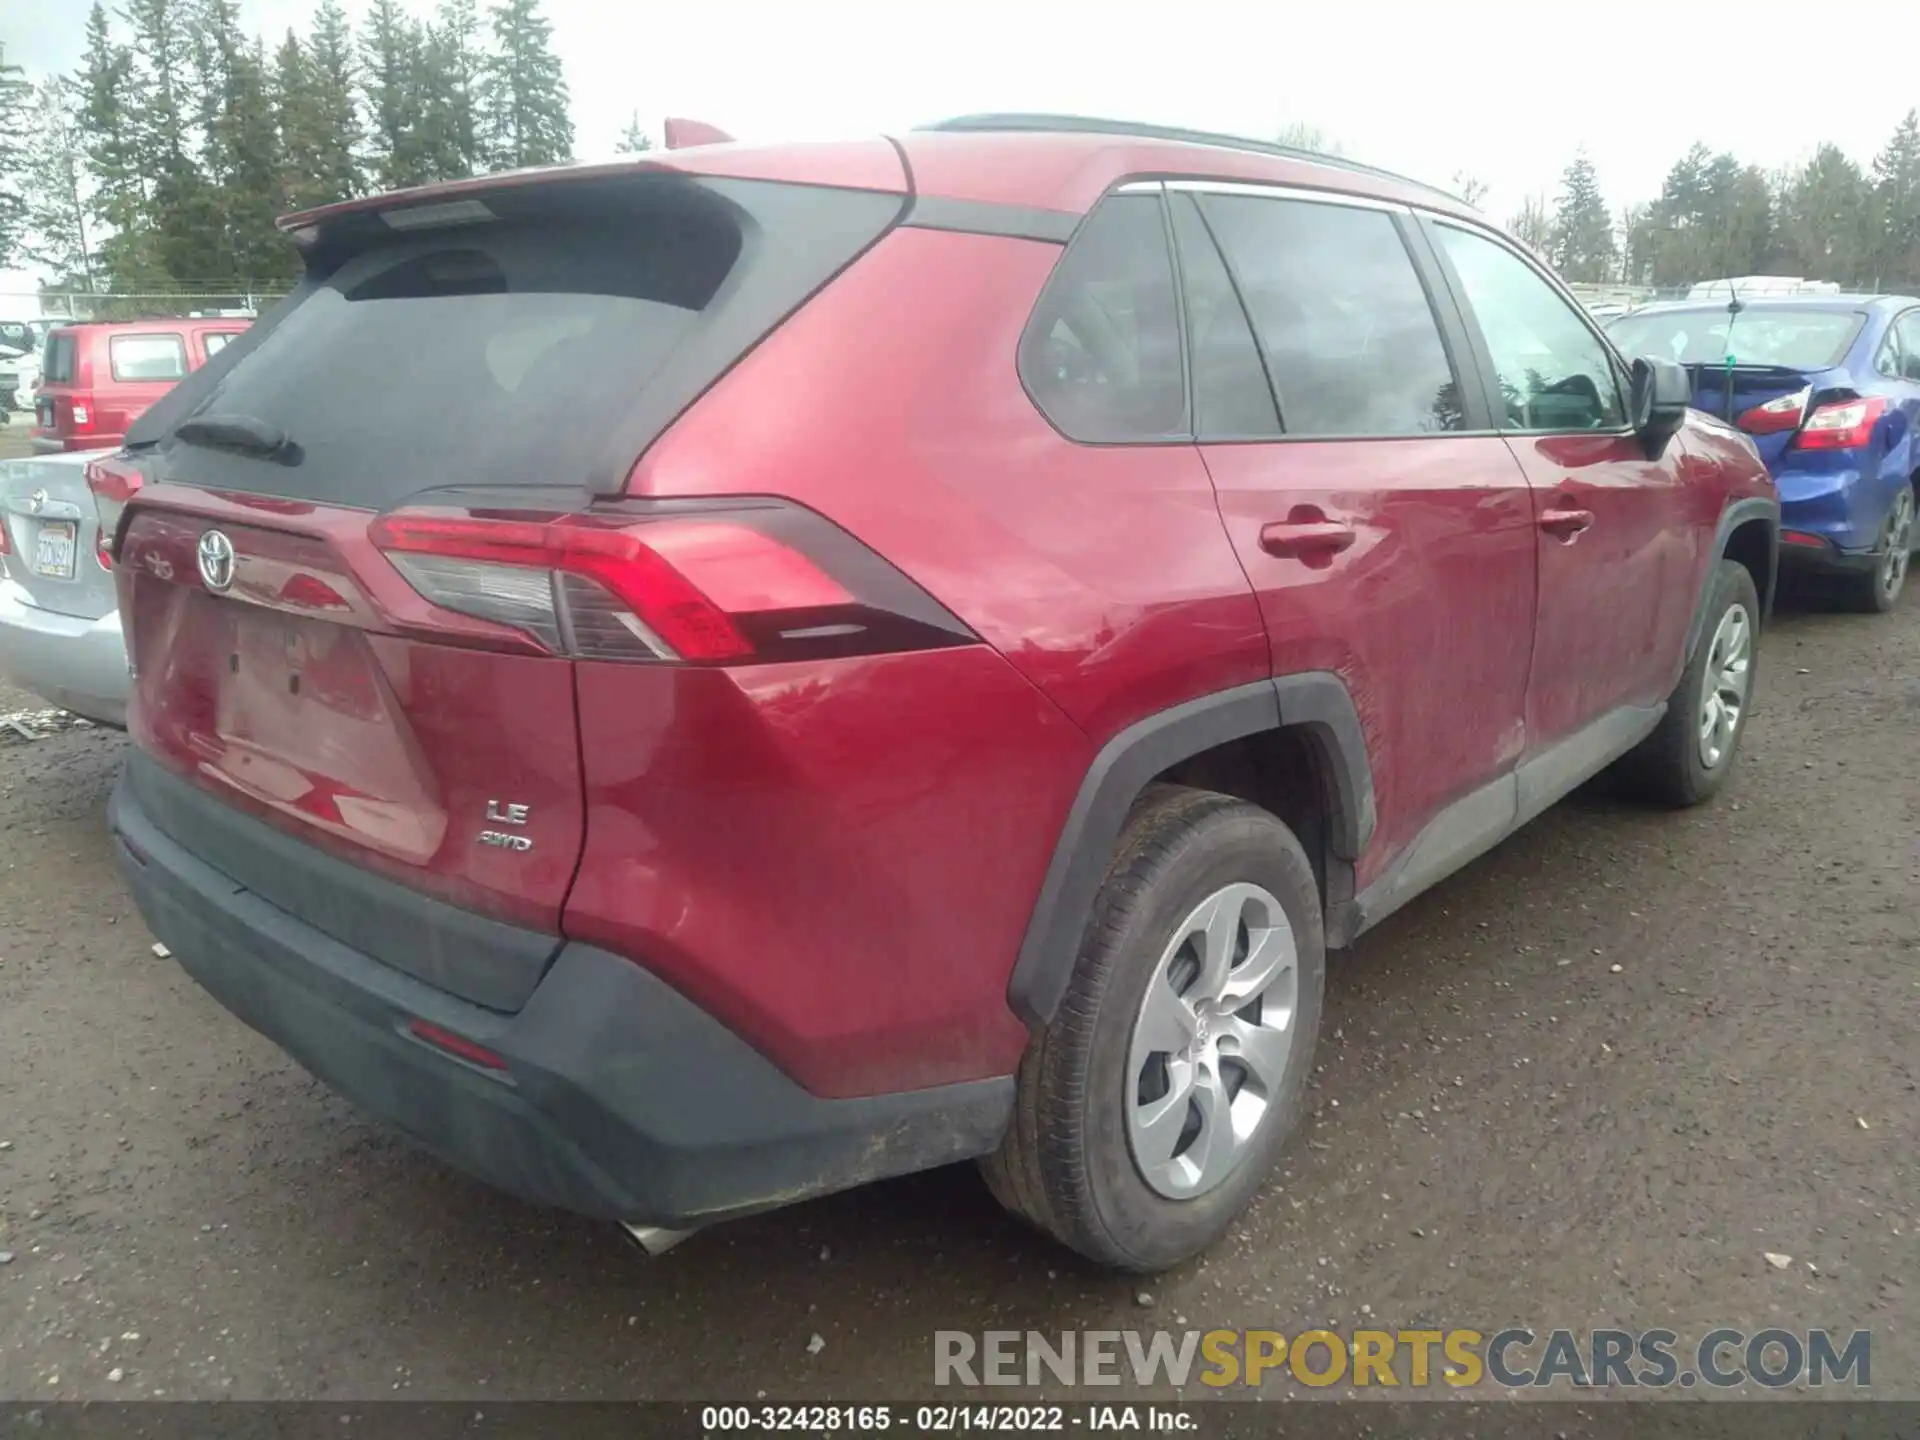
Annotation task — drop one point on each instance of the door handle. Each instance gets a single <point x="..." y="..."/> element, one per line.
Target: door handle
<point x="1564" y="525"/>
<point x="1305" y="539"/>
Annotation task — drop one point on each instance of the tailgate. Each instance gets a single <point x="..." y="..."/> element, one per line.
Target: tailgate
<point x="291" y="697"/>
<point x="346" y="580"/>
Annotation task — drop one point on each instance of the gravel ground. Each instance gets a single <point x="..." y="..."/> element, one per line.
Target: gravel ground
<point x="1592" y="1080"/>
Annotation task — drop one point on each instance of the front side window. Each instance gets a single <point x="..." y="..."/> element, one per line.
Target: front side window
<point x="147" y="357"/>
<point x="1553" y="372"/>
<point x="216" y="341"/>
<point x="1101" y="355"/>
<point x="1342" y="318"/>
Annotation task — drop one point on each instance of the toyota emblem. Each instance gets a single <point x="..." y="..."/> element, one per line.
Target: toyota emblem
<point x="37" y="501"/>
<point x="215" y="553"/>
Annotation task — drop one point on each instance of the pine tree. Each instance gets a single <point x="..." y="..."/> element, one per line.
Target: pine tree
<point x="55" y="189"/>
<point x="180" y="207"/>
<point x="1826" y="220"/>
<point x="392" y="50"/>
<point x="121" y="200"/>
<point x="1896" y="203"/>
<point x="1583" y="247"/>
<point x="203" y="230"/>
<point x="247" y="142"/>
<point x="451" y="77"/>
<point x="634" y="140"/>
<point x="525" y="101"/>
<point x="338" y="135"/>
<point x="16" y="97"/>
<point x="297" y="122"/>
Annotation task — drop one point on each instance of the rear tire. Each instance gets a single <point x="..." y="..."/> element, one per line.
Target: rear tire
<point x="1155" y="1057"/>
<point x="1878" y="590"/>
<point x="1684" y="762"/>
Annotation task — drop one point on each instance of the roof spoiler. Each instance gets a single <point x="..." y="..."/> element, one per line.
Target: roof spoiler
<point x="684" y="134"/>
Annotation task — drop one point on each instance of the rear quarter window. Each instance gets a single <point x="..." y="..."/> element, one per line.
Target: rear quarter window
<point x="147" y="357"/>
<point x="1101" y="355"/>
<point x="56" y="366"/>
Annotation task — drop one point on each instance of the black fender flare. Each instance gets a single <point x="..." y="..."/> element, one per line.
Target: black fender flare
<point x="1317" y="701"/>
<point x="1737" y="513"/>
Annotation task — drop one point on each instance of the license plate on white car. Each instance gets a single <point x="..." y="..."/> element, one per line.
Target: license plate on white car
<point x="53" y="549"/>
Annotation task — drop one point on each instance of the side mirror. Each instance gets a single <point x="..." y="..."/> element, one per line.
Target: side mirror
<point x="1661" y="392"/>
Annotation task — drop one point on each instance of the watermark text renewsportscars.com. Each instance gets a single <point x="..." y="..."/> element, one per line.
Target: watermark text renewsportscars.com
<point x="1515" y="1358"/>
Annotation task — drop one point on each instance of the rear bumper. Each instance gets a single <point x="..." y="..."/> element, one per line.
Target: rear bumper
<point x="620" y="1098"/>
<point x="67" y="444"/>
<point x="75" y="663"/>
<point x="1824" y="560"/>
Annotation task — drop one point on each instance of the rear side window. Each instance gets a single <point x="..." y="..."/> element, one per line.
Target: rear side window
<point x="147" y="357"/>
<point x="1101" y="355"/>
<point x="57" y="365"/>
<point x="1344" y="322"/>
<point x="1231" y="397"/>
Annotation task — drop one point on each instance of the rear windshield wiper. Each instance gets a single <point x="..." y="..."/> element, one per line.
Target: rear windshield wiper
<point x="243" y="435"/>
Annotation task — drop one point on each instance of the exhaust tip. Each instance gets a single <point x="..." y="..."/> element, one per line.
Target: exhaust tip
<point x="655" y="1239"/>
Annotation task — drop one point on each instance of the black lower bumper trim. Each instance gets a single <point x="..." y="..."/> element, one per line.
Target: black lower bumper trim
<point x="1796" y="560"/>
<point x="621" y="1099"/>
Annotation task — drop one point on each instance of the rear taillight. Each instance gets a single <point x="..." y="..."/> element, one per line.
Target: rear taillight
<point x="1847" y="425"/>
<point x="113" y="482"/>
<point x="730" y="584"/>
<point x="1775" y="416"/>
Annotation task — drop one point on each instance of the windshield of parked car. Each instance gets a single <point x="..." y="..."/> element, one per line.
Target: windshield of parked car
<point x="1797" y="337"/>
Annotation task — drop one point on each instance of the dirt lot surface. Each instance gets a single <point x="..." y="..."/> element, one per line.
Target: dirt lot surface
<point x="1593" y="1080"/>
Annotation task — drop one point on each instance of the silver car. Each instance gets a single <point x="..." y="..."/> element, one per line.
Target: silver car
<point x="59" y="616"/>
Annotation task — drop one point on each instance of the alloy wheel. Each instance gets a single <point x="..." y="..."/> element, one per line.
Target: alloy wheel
<point x="1729" y="674"/>
<point x="1211" y="1043"/>
<point x="1899" y="551"/>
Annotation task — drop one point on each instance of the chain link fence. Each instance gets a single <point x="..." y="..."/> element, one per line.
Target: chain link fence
<point x="238" y="298"/>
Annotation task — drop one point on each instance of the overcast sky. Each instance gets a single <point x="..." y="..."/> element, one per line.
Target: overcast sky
<point x="1505" y="91"/>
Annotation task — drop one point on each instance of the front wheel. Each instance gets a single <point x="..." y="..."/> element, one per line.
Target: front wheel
<point x="1152" y="1106"/>
<point x="1691" y="751"/>
<point x="1878" y="589"/>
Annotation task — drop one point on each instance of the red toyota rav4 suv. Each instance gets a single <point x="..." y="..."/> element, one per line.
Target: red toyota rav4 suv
<point x="691" y="684"/>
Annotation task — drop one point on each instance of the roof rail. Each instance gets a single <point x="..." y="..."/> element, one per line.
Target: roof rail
<point x="1090" y="125"/>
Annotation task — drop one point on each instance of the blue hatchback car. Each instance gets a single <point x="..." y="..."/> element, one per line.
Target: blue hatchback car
<point x="1828" y="388"/>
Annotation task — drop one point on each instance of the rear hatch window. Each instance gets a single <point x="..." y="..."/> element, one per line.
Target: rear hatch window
<point x="542" y="338"/>
<point x="1794" y="337"/>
